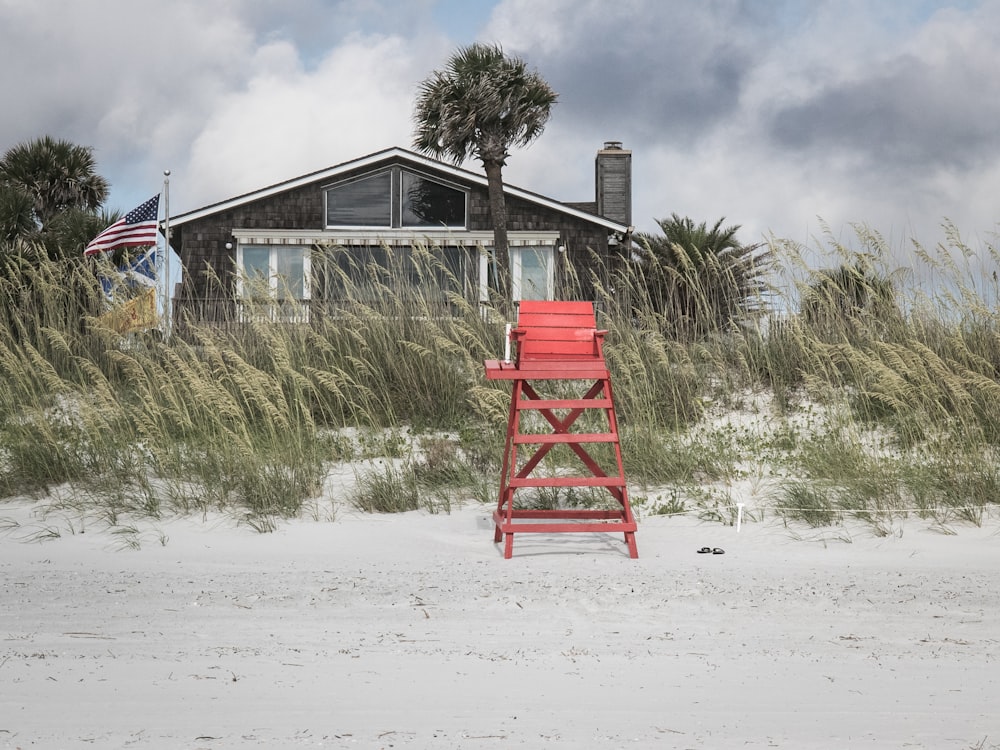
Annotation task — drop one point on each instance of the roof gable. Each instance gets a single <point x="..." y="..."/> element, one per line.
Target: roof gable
<point x="382" y="158"/>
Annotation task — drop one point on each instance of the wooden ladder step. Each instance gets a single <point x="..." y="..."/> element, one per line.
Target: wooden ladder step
<point x="542" y="370"/>
<point x="578" y="514"/>
<point x="567" y="482"/>
<point x="564" y="403"/>
<point x="565" y="437"/>
<point x="571" y="527"/>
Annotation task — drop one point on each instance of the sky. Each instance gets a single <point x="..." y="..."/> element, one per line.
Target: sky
<point x="790" y="118"/>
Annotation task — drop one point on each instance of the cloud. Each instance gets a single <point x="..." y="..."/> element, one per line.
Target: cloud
<point x="286" y="121"/>
<point x="922" y="109"/>
<point x="777" y="114"/>
<point x="133" y="89"/>
<point x="228" y="95"/>
<point x="640" y="68"/>
<point x="771" y="113"/>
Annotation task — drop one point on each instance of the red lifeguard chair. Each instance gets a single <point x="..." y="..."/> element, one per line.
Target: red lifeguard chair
<point x="559" y="341"/>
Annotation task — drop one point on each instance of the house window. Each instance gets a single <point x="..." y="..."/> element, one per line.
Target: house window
<point x="377" y="274"/>
<point x="427" y="203"/>
<point x="365" y="202"/>
<point x="532" y="271"/>
<point x="396" y="198"/>
<point x="275" y="278"/>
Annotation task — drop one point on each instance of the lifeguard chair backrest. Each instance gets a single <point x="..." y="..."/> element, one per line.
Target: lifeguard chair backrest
<point x="557" y="331"/>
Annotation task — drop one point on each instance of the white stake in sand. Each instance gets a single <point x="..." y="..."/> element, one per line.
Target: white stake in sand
<point x="739" y="516"/>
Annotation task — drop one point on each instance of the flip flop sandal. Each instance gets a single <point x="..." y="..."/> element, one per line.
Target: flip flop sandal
<point x="705" y="551"/>
<point x="718" y="551"/>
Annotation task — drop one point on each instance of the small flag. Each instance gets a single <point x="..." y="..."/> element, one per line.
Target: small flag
<point x="137" y="314"/>
<point x="137" y="229"/>
<point x="140" y="272"/>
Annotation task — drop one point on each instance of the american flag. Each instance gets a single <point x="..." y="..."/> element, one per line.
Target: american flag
<point x="136" y="229"/>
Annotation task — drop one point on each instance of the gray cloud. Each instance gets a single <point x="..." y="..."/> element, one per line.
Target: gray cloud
<point x="654" y="71"/>
<point x="910" y="114"/>
<point x="768" y="112"/>
<point x="778" y="115"/>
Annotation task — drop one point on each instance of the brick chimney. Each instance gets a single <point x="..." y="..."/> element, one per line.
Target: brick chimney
<point x="614" y="183"/>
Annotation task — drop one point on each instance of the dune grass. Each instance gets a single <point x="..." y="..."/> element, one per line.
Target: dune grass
<point x="846" y="411"/>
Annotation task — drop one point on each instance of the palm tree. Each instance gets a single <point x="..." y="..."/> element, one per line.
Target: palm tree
<point x="850" y="300"/>
<point x="56" y="175"/>
<point x="17" y="217"/>
<point x="68" y="232"/>
<point x="480" y="105"/>
<point x="702" y="279"/>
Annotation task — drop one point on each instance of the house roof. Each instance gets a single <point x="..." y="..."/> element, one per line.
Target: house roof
<point x="387" y="155"/>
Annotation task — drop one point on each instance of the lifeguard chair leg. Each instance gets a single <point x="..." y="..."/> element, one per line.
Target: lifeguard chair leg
<point x="633" y="551"/>
<point x="505" y="500"/>
<point x="621" y="495"/>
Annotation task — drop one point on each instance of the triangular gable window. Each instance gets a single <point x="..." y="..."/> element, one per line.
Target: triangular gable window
<point x="360" y="203"/>
<point x="396" y="198"/>
<point x="429" y="203"/>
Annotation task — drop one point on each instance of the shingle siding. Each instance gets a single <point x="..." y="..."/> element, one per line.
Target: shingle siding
<point x="201" y="242"/>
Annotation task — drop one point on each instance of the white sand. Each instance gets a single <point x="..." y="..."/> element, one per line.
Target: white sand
<point x="412" y="631"/>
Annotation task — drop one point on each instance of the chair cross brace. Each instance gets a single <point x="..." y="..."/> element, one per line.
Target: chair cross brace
<point x="561" y="433"/>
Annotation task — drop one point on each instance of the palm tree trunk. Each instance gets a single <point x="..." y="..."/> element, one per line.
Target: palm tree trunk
<point x="498" y="211"/>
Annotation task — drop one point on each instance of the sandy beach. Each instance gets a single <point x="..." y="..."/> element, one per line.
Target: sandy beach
<point x="413" y="631"/>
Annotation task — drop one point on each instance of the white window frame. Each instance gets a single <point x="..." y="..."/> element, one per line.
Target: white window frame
<point x="516" y="270"/>
<point x="395" y="199"/>
<point x="299" y="310"/>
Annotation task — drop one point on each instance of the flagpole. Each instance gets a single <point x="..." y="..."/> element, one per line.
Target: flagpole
<point x="168" y="305"/>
